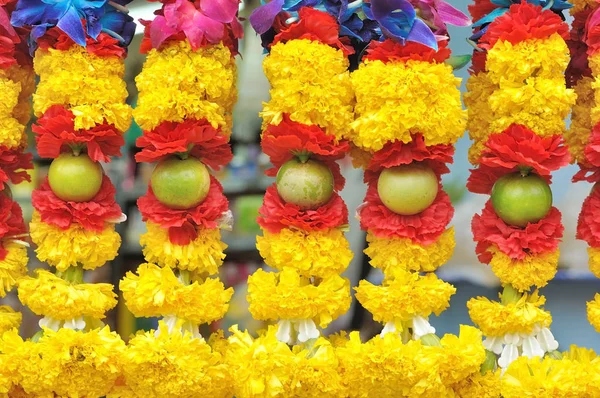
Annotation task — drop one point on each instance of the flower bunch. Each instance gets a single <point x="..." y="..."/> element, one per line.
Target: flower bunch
<point x="16" y="86"/>
<point x="187" y="89"/>
<point x="82" y="116"/>
<point x="516" y="119"/>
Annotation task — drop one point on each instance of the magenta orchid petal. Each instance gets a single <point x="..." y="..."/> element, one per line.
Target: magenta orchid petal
<point x="160" y="31"/>
<point x="451" y="15"/>
<point x="224" y="11"/>
<point x="202" y="26"/>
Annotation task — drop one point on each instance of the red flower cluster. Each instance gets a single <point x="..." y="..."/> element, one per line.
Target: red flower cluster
<point x="289" y="138"/>
<point x="8" y="40"/>
<point x="515" y="148"/>
<point x="592" y="32"/>
<point x="91" y="215"/>
<point x="592" y="149"/>
<point x="423" y="228"/>
<point x="392" y="51"/>
<point x="517" y="243"/>
<point x="55" y="132"/>
<point x="522" y="22"/>
<point x="589" y="174"/>
<point x="11" y="221"/>
<point x="13" y="165"/>
<point x="183" y="224"/>
<point x="480" y="8"/>
<point x="317" y="26"/>
<point x="103" y="46"/>
<point x="275" y="214"/>
<point x="197" y="137"/>
<point x="588" y="225"/>
<point x="478" y="62"/>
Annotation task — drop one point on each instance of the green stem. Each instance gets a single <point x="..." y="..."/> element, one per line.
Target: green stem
<point x="36" y="337"/>
<point x="185" y="277"/>
<point x="431" y="340"/>
<point x="72" y="274"/>
<point x="510" y="295"/>
<point x="406" y="334"/>
<point x="490" y="362"/>
<point x="555" y="355"/>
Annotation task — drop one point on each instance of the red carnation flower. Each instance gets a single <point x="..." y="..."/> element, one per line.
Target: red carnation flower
<point x="522" y="22"/>
<point x="275" y="214"/>
<point x="183" y="224"/>
<point x="592" y="149"/>
<point x="92" y="215"/>
<point x="517" y="243"/>
<point x="480" y="8"/>
<point x="197" y="137"/>
<point x="11" y="222"/>
<point x="13" y="165"/>
<point x="398" y="153"/>
<point x="588" y="225"/>
<point x="392" y="51"/>
<point x="55" y="133"/>
<point x="289" y="138"/>
<point x="589" y="174"/>
<point x="514" y="149"/>
<point x="423" y="228"/>
<point x="103" y="46"/>
<point x="478" y="62"/>
<point x="317" y="26"/>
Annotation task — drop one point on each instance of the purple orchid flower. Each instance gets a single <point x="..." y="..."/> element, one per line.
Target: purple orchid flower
<point x="262" y="17"/>
<point x="440" y="14"/>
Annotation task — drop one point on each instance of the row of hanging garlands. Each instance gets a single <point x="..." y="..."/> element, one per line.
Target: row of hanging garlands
<point x="373" y="79"/>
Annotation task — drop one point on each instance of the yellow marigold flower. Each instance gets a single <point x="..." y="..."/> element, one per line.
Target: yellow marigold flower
<point x="360" y="157"/>
<point x="310" y="81"/>
<point x="174" y="366"/>
<point x="11" y="130"/>
<point x="316" y="372"/>
<point x="479" y="386"/>
<point x="593" y="312"/>
<point x="52" y="296"/>
<point x="523" y="274"/>
<point x="70" y="363"/>
<point x="402" y="252"/>
<point x="9" y="319"/>
<point x="12" y="350"/>
<point x="546" y="377"/>
<point x="496" y="319"/>
<point x="310" y="253"/>
<point x="73" y="246"/>
<point x="581" y="122"/>
<point x="178" y="83"/>
<point x="404" y="295"/>
<point x="395" y="100"/>
<point x="541" y="104"/>
<point x="544" y="58"/>
<point x="204" y="254"/>
<point x="479" y="89"/>
<point x="156" y="291"/>
<point x="462" y="355"/>
<point x="13" y="267"/>
<point x="287" y="295"/>
<point x="92" y="87"/>
<point x="594" y="260"/>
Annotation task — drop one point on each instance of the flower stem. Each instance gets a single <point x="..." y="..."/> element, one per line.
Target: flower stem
<point x="72" y="274"/>
<point x="431" y="340"/>
<point x="510" y="295"/>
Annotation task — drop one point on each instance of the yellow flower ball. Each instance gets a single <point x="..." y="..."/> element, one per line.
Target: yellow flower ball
<point x="581" y="122"/>
<point x="388" y="253"/>
<point x="92" y="87"/>
<point x="52" y="296"/>
<point x="479" y="386"/>
<point x="12" y="267"/>
<point x="9" y="319"/>
<point x="594" y="260"/>
<point x="404" y="295"/>
<point x="496" y="319"/>
<point x="310" y="81"/>
<point x="11" y="130"/>
<point x="535" y="270"/>
<point x="593" y="312"/>
<point x="13" y="358"/>
<point x="462" y="356"/>
<point x="479" y="89"/>
<point x="397" y="99"/>
<point x="310" y="253"/>
<point x="204" y="254"/>
<point x="172" y="365"/>
<point x="178" y="83"/>
<point x="74" y="246"/>
<point x="288" y="295"/>
<point x="156" y="291"/>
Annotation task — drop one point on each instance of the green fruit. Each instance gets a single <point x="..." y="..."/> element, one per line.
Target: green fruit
<point x="308" y="185"/>
<point x="180" y="184"/>
<point x="75" y="178"/>
<point x="408" y="189"/>
<point x="519" y="200"/>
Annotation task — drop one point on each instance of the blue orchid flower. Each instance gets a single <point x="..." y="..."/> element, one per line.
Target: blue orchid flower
<point x="398" y="21"/>
<point x="119" y="25"/>
<point x="262" y="17"/>
<point x="351" y="24"/>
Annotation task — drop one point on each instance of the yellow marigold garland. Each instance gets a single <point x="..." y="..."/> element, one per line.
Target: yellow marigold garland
<point x="310" y="253"/>
<point x="523" y="274"/>
<point x="593" y="312"/>
<point x="13" y="267"/>
<point x="581" y="122"/>
<point x="204" y="254"/>
<point x="11" y="130"/>
<point x="479" y="386"/>
<point x="9" y="319"/>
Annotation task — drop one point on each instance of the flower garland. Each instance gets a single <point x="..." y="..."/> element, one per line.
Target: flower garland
<point x="187" y="89"/>
<point x="16" y="86"/>
<point x="82" y="115"/>
<point x="516" y="119"/>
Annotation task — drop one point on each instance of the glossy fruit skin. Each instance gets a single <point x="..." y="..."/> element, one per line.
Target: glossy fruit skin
<point x="408" y="189"/>
<point x="308" y="185"/>
<point x="75" y="178"/>
<point x="180" y="183"/>
<point x="519" y="200"/>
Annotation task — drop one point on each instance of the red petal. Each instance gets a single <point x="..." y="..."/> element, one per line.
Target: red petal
<point x="588" y="225"/>
<point x="103" y="46"/>
<point x="11" y="218"/>
<point x="14" y="165"/>
<point x="392" y="51"/>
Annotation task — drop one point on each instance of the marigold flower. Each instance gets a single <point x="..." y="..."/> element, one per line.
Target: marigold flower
<point x="534" y="270"/>
<point x="13" y="266"/>
<point x="9" y="319"/>
<point x="11" y="130"/>
<point x="593" y="312"/>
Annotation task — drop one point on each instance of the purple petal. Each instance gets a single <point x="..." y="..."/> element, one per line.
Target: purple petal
<point x="421" y="33"/>
<point x="451" y="15"/>
<point x="220" y="10"/>
<point x="383" y="8"/>
<point x="262" y="18"/>
<point x="72" y="26"/>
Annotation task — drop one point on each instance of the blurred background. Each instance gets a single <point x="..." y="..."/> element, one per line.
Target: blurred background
<point x="244" y="184"/>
